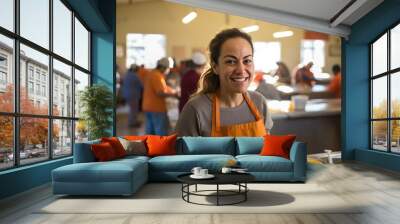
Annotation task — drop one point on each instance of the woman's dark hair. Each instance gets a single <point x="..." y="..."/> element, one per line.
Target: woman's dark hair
<point x="209" y="81"/>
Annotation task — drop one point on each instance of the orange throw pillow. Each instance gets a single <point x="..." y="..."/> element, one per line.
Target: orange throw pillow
<point x="103" y="152"/>
<point x="161" y="145"/>
<point x="135" y="138"/>
<point x="116" y="145"/>
<point x="277" y="145"/>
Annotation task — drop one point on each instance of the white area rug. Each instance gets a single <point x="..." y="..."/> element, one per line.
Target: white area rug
<point x="166" y="198"/>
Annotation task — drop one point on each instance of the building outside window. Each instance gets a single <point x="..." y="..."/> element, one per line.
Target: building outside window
<point x="30" y="72"/>
<point x="30" y="87"/>
<point x="37" y="75"/>
<point x="57" y="128"/>
<point x="3" y="72"/>
<point x="385" y="95"/>
<point x="3" y="81"/>
<point x="38" y="89"/>
<point x="44" y="77"/>
<point x="3" y="78"/>
<point x="43" y="90"/>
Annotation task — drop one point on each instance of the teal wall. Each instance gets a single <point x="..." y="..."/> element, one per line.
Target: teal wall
<point x="99" y="16"/>
<point x="24" y="178"/>
<point x="356" y="101"/>
<point x="103" y="53"/>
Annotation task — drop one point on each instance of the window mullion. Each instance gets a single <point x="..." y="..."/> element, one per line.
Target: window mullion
<point x="389" y="106"/>
<point x="73" y="82"/>
<point x="50" y="81"/>
<point x="16" y="84"/>
<point x="371" y="89"/>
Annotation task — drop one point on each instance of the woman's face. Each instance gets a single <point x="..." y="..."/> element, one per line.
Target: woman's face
<point x="235" y="66"/>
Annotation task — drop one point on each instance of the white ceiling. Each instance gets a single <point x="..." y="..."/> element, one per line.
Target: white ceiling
<point x="321" y="9"/>
<point x="318" y="9"/>
<point x="315" y="15"/>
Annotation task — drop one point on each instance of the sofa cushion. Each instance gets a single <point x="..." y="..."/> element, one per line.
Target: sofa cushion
<point x="116" y="145"/>
<point x="134" y="147"/>
<point x="103" y="152"/>
<point x="277" y="145"/>
<point x="206" y="145"/>
<point x="249" y="145"/>
<point x="161" y="145"/>
<point x="130" y="158"/>
<point x="112" y="171"/>
<point x="257" y="163"/>
<point x="185" y="163"/>
<point x="136" y="137"/>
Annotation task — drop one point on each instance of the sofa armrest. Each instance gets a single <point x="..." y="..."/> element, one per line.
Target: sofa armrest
<point x="298" y="155"/>
<point x="83" y="153"/>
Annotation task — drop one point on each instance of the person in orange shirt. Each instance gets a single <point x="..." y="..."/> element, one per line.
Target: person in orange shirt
<point x="154" y="106"/>
<point x="142" y="71"/>
<point x="335" y="86"/>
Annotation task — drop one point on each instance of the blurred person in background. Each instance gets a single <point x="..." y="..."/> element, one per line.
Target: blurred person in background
<point x="173" y="78"/>
<point x="154" y="94"/>
<point x="132" y="89"/>
<point x="283" y="73"/>
<point x="335" y="86"/>
<point x="268" y="90"/>
<point x="191" y="77"/>
<point x="185" y="66"/>
<point x="304" y="76"/>
<point x="120" y="99"/>
<point x="142" y="72"/>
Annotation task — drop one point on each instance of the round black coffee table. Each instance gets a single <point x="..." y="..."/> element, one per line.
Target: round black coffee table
<point x="238" y="179"/>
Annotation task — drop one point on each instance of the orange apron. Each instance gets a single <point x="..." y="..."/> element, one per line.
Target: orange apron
<point x="250" y="129"/>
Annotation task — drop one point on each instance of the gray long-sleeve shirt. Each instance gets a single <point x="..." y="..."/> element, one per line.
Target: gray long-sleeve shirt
<point x="195" y="118"/>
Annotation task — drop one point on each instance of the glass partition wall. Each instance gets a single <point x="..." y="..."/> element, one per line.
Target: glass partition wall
<point x="385" y="91"/>
<point x="44" y="64"/>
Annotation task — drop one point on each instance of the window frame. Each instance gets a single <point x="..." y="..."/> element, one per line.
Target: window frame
<point x="313" y="49"/>
<point x="16" y="114"/>
<point x="388" y="74"/>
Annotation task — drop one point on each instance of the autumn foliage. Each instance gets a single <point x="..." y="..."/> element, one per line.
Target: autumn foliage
<point x="33" y="130"/>
<point x="380" y="127"/>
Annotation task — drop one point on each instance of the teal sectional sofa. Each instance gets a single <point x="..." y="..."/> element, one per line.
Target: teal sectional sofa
<point x="125" y="176"/>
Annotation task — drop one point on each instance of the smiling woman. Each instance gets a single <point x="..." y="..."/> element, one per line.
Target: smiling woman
<point x="222" y="105"/>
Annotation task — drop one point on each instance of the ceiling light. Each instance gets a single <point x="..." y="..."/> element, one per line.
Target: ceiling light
<point x="249" y="29"/>
<point x="283" y="34"/>
<point x="189" y="17"/>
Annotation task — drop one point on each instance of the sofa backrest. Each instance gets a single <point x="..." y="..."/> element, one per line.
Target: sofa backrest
<point x="83" y="152"/>
<point x="206" y="145"/>
<point x="249" y="145"/>
<point x="190" y="146"/>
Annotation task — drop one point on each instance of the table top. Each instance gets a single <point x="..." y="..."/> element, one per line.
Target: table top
<point x="314" y="108"/>
<point x="220" y="178"/>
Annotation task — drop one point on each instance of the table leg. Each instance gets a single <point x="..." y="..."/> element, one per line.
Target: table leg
<point x="217" y="194"/>
<point x="245" y="191"/>
<point x="182" y="190"/>
<point x="196" y="188"/>
<point x="188" y="190"/>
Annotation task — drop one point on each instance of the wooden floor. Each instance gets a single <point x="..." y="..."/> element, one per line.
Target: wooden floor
<point x="379" y="190"/>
